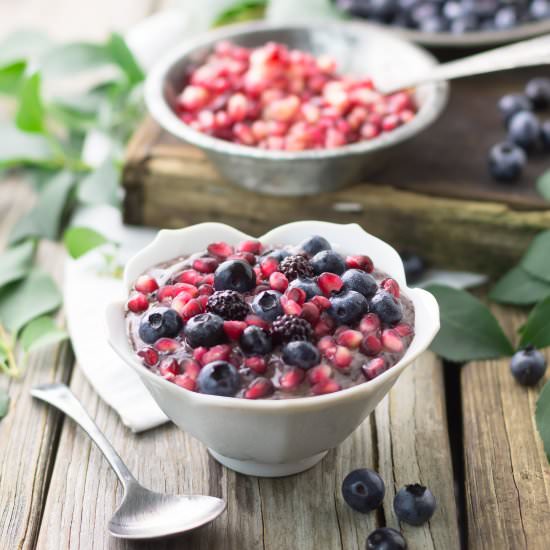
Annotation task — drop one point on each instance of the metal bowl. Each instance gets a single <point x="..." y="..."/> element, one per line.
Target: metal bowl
<point x="360" y="49"/>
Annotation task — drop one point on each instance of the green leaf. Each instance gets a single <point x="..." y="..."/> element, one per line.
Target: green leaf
<point x="69" y="59"/>
<point x="542" y="417"/>
<point x="469" y="330"/>
<point x="45" y="219"/>
<point x="22" y="148"/>
<point x="4" y="403"/>
<point x="11" y="77"/>
<point x="23" y="45"/>
<point x="30" y="113"/>
<point x="28" y="299"/>
<point x="537" y="258"/>
<point x="518" y="287"/>
<point x="41" y="332"/>
<point x="16" y="262"/>
<point x="543" y="185"/>
<point x="101" y="186"/>
<point x="243" y="10"/>
<point x="124" y="58"/>
<point x="80" y="240"/>
<point x="536" y="330"/>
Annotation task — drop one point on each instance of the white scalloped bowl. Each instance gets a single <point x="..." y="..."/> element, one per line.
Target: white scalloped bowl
<point x="271" y="437"/>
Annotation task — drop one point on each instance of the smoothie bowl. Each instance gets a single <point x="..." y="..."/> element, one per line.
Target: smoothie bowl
<point x="269" y="351"/>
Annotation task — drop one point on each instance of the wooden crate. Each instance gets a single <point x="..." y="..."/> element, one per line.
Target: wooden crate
<point x="435" y="198"/>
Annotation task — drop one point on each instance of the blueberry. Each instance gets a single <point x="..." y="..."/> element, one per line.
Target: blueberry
<point x="414" y="504"/>
<point x="545" y="135"/>
<point x="301" y="354"/>
<point x="363" y="490"/>
<point x="465" y="23"/>
<point x="267" y="305"/>
<point x="279" y="254"/>
<point x="511" y="104"/>
<point x="328" y="261"/>
<point x="505" y="18"/>
<point x="255" y="341"/>
<point x="314" y="244"/>
<point x="506" y="161"/>
<point x="540" y="9"/>
<point x="387" y="307"/>
<point x="309" y="286"/>
<point x="360" y="281"/>
<point x="158" y="323"/>
<point x="234" y="275"/>
<point x="414" y="265"/>
<point x="524" y="130"/>
<point x="433" y="24"/>
<point x="219" y="378"/>
<point x="538" y="91"/>
<point x="386" y="538"/>
<point x="348" y="307"/>
<point x="205" y="330"/>
<point x="528" y="366"/>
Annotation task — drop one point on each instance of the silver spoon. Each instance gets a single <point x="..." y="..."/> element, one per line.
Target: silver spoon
<point x="142" y="514"/>
<point x="522" y="54"/>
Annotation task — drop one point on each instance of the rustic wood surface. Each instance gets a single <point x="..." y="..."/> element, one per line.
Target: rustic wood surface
<point x="58" y="493"/>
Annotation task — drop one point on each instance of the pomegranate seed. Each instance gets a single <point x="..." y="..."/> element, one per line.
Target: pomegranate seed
<point x="246" y="256"/>
<point x="166" y="293"/>
<point x="321" y="302"/>
<point x="370" y="130"/>
<point x="296" y="294"/>
<point x="360" y="262"/>
<point x="206" y="290"/>
<point x="342" y="358"/>
<point x="208" y="279"/>
<point x="186" y="382"/>
<point x="374" y="368"/>
<point x="146" y="284"/>
<point x="216" y="353"/>
<point x="278" y="281"/>
<point x="320" y="373"/>
<point x="326" y="386"/>
<point x="168" y="368"/>
<point x="329" y="283"/>
<point x="198" y="353"/>
<point x="282" y="110"/>
<point x="167" y="345"/>
<point x="311" y="313"/>
<point x="194" y="98"/>
<point x="392" y="341"/>
<point x="191" y="368"/>
<point x="260" y="387"/>
<point x="220" y="250"/>
<point x="205" y="265"/>
<point x="323" y="327"/>
<point x="180" y="301"/>
<point x="325" y="343"/>
<point x="392" y="286"/>
<point x="203" y="300"/>
<point x="234" y="329"/>
<point x="257" y="364"/>
<point x="191" y="308"/>
<point x="291" y="379"/>
<point x="256" y="321"/>
<point x="390" y="122"/>
<point x="186" y="287"/>
<point x="290" y="307"/>
<point x="149" y="355"/>
<point x="190" y="276"/>
<point x="254" y="247"/>
<point x="371" y="345"/>
<point x="369" y="323"/>
<point x="237" y="107"/>
<point x="138" y="303"/>
<point x="350" y="338"/>
<point x="403" y="329"/>
<point x="268" y="266"/>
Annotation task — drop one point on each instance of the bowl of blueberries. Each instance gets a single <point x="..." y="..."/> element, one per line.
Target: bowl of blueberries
<point x="273" y="350"/>
<point x="455" y="23"/>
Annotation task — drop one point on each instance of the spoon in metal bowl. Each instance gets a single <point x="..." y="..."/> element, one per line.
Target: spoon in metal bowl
<point x="142" y="514"/>
<point x="522" y="54"/>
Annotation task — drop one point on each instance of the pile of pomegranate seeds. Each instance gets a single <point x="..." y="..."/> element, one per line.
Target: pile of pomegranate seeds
<point x="280" y="99"/>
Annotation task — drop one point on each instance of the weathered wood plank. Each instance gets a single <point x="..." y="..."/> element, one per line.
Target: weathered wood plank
<point x="28" y="434"/>
<point x="507" y="474"/>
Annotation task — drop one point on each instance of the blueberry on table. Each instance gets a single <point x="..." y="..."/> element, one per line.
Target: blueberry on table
<point x="414" y="265"/>
<point x="255" y="341"/>
<point x="528" y="366"/>
<point x="414" y="504"/>
<point x="387" y="307"/>
<point x="386" y="538"/>
<point x="358" y="280"/>
<point x="235" y="275"/>
<point x="363" y="490"/>
<point x="219" y="378"/>
<point x="267" y="305"/>
<point x="506" y="162"/>
<point x="314" y="244"/>
<point x="328" y="261"/>
<point x="524" y="130"/>
<point x="301" y="354"/>
<point x="348" y="307"/>
<point x="511" y="104"/>
<point x="538" y="91"/>
<point x="158" y="323"/>
<point x="205" y="330"/>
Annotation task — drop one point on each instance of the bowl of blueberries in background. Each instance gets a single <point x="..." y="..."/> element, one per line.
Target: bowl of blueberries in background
<point x="455" y="23"/>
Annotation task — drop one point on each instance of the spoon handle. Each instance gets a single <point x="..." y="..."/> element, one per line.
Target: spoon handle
<point x="61" y="397"/>
<point x="522" y="54"/>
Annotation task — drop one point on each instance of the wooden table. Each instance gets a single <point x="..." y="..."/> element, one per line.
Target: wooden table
<point x="467" y="433"/>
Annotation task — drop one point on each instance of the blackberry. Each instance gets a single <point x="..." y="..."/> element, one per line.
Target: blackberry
<point x="291" y="328"/>
<point x="296" y="266"/>
<point x="228" y="304"/>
